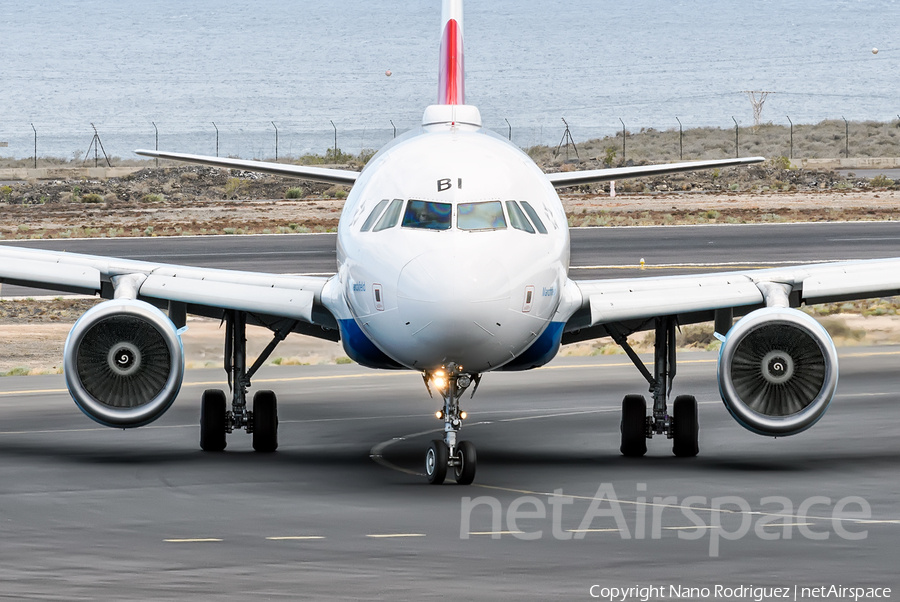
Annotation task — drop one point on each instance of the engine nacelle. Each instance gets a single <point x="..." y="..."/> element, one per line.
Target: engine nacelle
<point x="124" y="363"/>
<point x="778" y="371"/>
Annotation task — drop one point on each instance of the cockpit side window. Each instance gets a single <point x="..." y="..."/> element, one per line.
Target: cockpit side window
<point x="534" y="217"/>
<point x="367" y="225"/>
<point x="517" y="219"/>
<point x="487" y="215"/>
<point x="390" y="217"/>
<point x="427" y="215"/>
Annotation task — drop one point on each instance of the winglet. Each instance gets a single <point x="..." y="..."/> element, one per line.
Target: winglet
<point x="452" y="77"/>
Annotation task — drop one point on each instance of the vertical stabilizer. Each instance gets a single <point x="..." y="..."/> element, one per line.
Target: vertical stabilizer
<point x="452" y="82"/>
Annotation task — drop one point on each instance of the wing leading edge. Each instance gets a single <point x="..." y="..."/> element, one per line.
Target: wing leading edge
<point x="316" y="174"/>
<point x="577" y="178"/>
<point x="205" y="291"/>
<point x="695" y="297"/>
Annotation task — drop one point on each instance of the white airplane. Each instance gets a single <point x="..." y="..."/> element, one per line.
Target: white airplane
<point x="453" y="257"/>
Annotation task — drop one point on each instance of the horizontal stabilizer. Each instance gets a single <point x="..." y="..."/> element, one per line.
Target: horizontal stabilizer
<point x="577" y="178"/>
<point x="316" y="174"/>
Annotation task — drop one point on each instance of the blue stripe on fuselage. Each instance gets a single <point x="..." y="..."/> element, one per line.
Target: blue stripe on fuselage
<point x="361" y="349"/>
<point x="541" y="351"/>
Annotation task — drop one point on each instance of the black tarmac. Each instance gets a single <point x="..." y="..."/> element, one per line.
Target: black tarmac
<point x="341" y="511"/>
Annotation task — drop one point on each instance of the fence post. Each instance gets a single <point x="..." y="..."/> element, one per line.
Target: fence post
<point x="335" y="139"/>
<point x="35" y="146"/>
<point x="157" y="141"/>
<point x="846" y="138"/>
<point x="792" y="136"/>
<point x="217" y="137"/>
<point x="623" y="140"/>
<point x="276" y="139"/>
<point x="736" y="154"/>
<point x="680" y="140"/>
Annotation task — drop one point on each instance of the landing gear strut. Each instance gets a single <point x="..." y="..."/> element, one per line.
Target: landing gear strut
<point x="216" y="421"/>
<point x="450" y="382"/>
<point x="682" y="425"/>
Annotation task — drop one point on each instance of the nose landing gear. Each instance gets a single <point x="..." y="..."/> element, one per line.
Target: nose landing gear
<point x="450" y="382"/>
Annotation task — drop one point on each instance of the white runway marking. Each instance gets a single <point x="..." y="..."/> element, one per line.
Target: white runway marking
<point x="863" y="238"/>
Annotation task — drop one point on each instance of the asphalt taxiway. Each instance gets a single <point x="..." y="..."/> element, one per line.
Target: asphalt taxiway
<point x="595" y="252"/>
<point x="339" y="512"/>
<point x="342" y="512"/>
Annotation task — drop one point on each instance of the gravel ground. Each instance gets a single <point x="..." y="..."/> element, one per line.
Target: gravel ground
<point x="203" y="200"/>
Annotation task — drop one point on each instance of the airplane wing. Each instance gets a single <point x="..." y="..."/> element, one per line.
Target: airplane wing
<point x="695" y="298"/>
<point x="576" y="178"/>
<point x="316" y="174"/>
<point x="202" y="291"/>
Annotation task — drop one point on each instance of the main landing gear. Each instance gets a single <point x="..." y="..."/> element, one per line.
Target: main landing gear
<point x="450" y="382"/>
<point x="216" y="421"/>
<point x="682" y="425"/>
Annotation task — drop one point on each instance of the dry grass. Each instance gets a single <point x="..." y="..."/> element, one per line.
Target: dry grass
<point x="825" y="139"/>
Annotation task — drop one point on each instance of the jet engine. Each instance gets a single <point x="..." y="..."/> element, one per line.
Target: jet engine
<point x="124" y="363"/>
<point x="777" y="371"/>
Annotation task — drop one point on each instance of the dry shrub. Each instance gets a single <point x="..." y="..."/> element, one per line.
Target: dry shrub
<point x="837" y="328"/>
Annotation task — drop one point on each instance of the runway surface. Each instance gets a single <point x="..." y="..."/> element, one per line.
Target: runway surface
<point x="596" y="252"/>
<point x="89" y="512"/>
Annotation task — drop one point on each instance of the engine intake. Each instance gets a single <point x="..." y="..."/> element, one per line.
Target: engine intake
<point x="777" y="371"/>
<point x="124" y="363"/>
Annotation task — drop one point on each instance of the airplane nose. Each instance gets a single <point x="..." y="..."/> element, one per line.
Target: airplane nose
<point x="453" y="305"/>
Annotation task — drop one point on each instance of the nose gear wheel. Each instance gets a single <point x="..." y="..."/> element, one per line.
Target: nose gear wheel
<point x="436" y="460"/>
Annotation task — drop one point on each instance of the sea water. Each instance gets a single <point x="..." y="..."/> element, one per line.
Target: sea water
<point x="316" y="70"/>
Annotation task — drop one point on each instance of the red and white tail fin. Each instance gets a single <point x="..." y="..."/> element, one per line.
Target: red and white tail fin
<point x="452" y="82"/>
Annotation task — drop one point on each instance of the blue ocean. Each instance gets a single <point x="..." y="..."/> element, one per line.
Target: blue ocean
<point x="249" y="68"/>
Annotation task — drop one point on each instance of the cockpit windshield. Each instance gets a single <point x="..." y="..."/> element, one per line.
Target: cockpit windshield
<point x="430" y="215"/>
<point x="390" y="217"/>
<point x="427" y="215"/>
<point x="480" y="216"/>
<point x="370" y="221"/>
<point x="534" y="217"/>
<point x="517" y="219"/>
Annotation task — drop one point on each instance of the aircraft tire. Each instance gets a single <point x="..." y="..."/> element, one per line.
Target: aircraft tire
<point x="212" y="420"/>
<point x="265" y="422"/>
<point x="634" y="426"/>
<point x="436" y="459"/>
<point x="467" y="461"/>
<point x="686" y="427"/>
